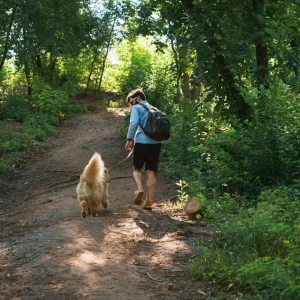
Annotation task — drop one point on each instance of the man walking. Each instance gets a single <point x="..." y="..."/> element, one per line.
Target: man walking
<point x="146" y="149"/>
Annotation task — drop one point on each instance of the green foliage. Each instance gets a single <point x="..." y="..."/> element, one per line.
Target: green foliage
<point x="46" y="99"/>
<point x="70" y="85"/>
<point x="135" y="64"/>
<point x="182" y="195"/>
<point x="12" y="141"/>
<point x="21" y="138"/>
<point x="188" y="129"/>
<point x="160" y="86"/>
<point x="219" y="44"/>
<point x="53" y="102"/>
<point x="257" y="249"/>
<point x="15" y="107"/>
<point x="5" y="168"/>
<point x="73" y="73"/>
<point x="117" y="103"/>
<point x="122" y="130"/>
<point x="233" y="164"/>
<point x="33" y="131"/>
<point x="44" y="122"/>
<point x="22" y="128"/>
<point x="238" y="158"/>
<point x="73" y="109"/>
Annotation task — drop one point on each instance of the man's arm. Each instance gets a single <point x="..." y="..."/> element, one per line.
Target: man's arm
<point x="134" y="122"/>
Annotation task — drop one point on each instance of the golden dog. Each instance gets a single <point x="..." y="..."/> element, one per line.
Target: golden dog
<point x="92" y="189"/>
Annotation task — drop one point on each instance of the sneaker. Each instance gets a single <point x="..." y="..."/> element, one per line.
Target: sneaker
<point x="138" y="196"/>
<point x="148" y="205"/>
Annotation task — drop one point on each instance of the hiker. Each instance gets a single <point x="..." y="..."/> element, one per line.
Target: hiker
<point x="146" y="150"/>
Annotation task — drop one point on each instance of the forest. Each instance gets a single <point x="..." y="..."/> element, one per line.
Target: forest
<point x="227" y="73"/>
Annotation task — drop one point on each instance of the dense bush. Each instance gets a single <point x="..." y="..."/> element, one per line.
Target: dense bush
<point x="238" y="166"/>
<point x="15" y="107"/>
<point x="28" y="121"/>
<point x="30" y="133"/>
<point x="256" y="250"/>
<point x="236" y="157"/>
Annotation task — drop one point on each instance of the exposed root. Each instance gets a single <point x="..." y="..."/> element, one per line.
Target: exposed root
<point x="157" y="280"/>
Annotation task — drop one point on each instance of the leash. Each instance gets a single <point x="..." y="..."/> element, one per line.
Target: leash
<point x="130" y="153"/>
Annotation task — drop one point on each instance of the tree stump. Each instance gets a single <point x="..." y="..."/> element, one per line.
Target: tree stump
<point x="193" y="207"/>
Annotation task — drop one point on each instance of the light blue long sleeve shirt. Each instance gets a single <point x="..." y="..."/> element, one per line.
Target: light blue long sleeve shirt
<point x="139" y="116"/>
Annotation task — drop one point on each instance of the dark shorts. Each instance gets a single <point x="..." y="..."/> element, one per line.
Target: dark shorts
<point x="147" y="154"/>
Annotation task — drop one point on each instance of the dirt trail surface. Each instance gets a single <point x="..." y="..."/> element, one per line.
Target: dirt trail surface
<point x="49" y="252"/>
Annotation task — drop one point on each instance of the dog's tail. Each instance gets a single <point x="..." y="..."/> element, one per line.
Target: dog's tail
<point x="94" y="168"/>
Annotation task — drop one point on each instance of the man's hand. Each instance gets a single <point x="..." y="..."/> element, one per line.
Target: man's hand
<point x="128" y="146"/>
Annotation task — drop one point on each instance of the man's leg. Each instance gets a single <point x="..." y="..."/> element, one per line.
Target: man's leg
<point x="151" y="168"/>
<point x="151" y="184"/>
<point x="138" y="177"/>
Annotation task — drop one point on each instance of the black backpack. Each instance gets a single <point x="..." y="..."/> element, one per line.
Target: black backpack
<point x="158" y="126"/>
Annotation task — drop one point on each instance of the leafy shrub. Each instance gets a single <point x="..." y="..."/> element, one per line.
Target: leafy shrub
<point x="257" y="248"/>
<point x="117" y="103"/>
<point x="122" y="130"/>
<point x="14" y="107"/>
<point x="5" y="167"/>
<point x="270" y="278"/>
<point x="14" y="144"/>
<point x="177" y="160"/>
<point x="46" y="99"/>
<point x="236" y="158"/>
<point x="53" y="102"/>
<point x="34" y="130"/>
<point x="70" y="85"/>
<point x="73" y="109"/>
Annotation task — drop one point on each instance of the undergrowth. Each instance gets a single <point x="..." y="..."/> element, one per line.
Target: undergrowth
<point x="249" y="174"/>
<point x="26" y="122"/>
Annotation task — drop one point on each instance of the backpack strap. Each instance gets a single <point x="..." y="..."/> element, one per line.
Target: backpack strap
<point x="145" y="106"/>
<point x="152" y="107"/>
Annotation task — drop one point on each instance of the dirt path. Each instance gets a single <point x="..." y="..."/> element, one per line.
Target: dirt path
<point x="48" y="252"/>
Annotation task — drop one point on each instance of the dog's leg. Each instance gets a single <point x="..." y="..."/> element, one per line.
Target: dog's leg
<point x="84" y="207"/>
<point x="94" y="211"/>
<point x="105" y="199"/>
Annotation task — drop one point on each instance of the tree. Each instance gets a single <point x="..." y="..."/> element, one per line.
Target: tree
<point x="230" y="43"/>
<point x="41" y="32"/>
<point x="8" y="10"/>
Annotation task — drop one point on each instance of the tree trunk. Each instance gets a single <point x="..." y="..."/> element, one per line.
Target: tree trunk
<point x="96" y="83"/>
<point x="107" y="49"/>
<point x="28" y="79"/>
<point x="196" y="85"/>
<point x="8" y="32"/>
<point x="195" y="92"/>
<point x="177" y="65"/>
<point x="261" y="50"/>
<point x="52" y="67"/>
<point x="91" y="71"/>
<point x="225" y="80"/>
<point x="295" y="61"/>
<point x="27" y="70"/>
<point x="34" y="67"/>
<point x="238" y="105"/>
<point x="39" y="66"/>
<point x="102" y="68"/>
<point x="186" y="85"/>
